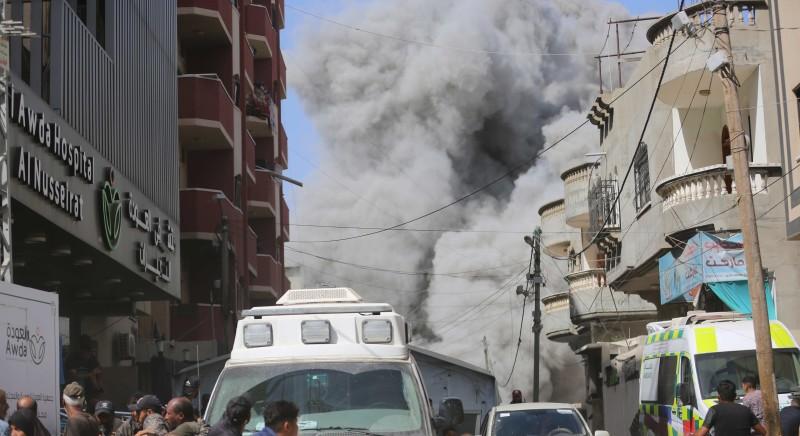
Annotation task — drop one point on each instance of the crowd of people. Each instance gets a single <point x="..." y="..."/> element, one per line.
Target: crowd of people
<point x="148" y="417"/>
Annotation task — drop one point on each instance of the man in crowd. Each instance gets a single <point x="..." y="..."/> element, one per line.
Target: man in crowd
<point x="4" y="427"/>
<point x="104" y="412"/>
<point x="752" y="397"/>
<point x="79" y="423"/>
<point x="83" y="367"/>
<point x="790" y="415"/>
<point x="181" y="419"/>
<point x="516" y="396"/>
<point x="280" y="419"/>
<point x="191" y="390"/>
<point x="145" y="419"/>
<point x="728" y="418"/>
<point x="27" y="402"/>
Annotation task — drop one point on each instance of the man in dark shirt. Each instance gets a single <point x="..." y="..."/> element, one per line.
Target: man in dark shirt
<point x="728" y="418"/>
<point x="790" y="415"/>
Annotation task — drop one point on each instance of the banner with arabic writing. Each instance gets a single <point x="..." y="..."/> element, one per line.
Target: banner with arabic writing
<point x="705" y="258"/>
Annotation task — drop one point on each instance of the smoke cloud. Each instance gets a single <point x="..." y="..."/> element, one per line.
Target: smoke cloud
<point x="408" y="127"/>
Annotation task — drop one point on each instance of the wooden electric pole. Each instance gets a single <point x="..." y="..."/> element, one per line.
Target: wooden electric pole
<point x="536" y="279"/>
<point x="752" y="249"/>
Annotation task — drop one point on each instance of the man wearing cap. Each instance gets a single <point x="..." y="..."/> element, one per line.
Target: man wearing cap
<point x="790" y="415"/>
<point x="79" y="422"/>
<point x="148" y="413"/>
<point x="27" y="402"/>
<point x="104" y="412"/>
<point x="191" y="390"/>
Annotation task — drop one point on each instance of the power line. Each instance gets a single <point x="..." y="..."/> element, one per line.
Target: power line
<point x="505" y="175"/>
<point x="430" y="44"/>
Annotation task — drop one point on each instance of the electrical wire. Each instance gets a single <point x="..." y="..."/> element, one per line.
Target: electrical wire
<point x="430" y="44"/>
<point x="505" y="175"/>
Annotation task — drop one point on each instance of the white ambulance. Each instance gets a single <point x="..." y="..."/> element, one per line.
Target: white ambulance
<point x="343" y="362"/>
<point x="684" y="359"/>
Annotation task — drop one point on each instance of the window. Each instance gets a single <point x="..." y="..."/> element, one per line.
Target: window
<point x="641" y="177"/>
<point x="666" y="380"/>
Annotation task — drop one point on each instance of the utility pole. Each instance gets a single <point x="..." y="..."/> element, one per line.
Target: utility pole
<point x="486" y="353"/>
<point x="752" y="248"/>
<point x="537" y="280"/>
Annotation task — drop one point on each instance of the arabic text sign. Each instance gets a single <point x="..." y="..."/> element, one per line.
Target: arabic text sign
<point x="705" y="259"/>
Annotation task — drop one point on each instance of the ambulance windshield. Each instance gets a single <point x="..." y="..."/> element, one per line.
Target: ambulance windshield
<point x="734" y="365"/>
<point x="371" y="397"/>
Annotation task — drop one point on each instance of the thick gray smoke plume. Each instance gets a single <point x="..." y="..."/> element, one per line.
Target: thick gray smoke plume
<point x="408" y="127"/>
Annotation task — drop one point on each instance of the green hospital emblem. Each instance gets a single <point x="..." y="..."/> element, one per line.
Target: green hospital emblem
<point x="111" y="211"/>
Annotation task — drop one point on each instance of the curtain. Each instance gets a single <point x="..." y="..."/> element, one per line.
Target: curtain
<point x="736" y="295"/>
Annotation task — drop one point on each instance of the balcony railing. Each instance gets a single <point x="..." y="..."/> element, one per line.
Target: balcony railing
<point x="270" y="276"/>
<point x="555" y="234"/>
<point x="263" y="196"/>
<point x="283" y="149"/>
<point x="741" y="13"/>
<point x="586" y="280"/>
<point x="284" y="220"/>
<point x="711" y="182"/>
<point x="261" y="113"/>
<point x="592" y="300"/>
<point x="205" y="22"/>
<point x="603" y="213"/>
<point x="205" y="113"/>
<point x="576" y="189"/>
<point x="280" y="88"/>
<point x="260" y="33"/>
<point x="558" y="326"/>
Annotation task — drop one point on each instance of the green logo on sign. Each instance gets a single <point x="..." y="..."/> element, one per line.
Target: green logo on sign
<point x="111" y="211"/>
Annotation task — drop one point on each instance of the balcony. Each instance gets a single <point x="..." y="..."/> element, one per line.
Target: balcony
<point x="555" y="234"/>
<point x="279" y="13"/>
<point x="204" y="22"/>
<point x="247" y="65"/>
<point x="558" y="327"/>
<point x="741" y="14"/>
<point x="711" y="182"/>
<point x="269" y="281"/>
<point x="592" y="300"/>
<point x="603" y="212"/>
<point x="263" y="196"/>
<point x="252" y="246"/>
<point x="205" y="113"/>
<point x="261" y="113"/>
<point x="260" y="33"/>
<point x="280" y="88"/>
<point x="576" y="201"/>
<point x="201" y="211"/>
<point x="282" y="157"/>
<point x="284" y="220"/>
<point x="250" y="156"/>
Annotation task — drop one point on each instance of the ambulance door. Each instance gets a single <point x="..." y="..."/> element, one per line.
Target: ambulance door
<point x="658" y="396"/>
<point x="687" y="398"/>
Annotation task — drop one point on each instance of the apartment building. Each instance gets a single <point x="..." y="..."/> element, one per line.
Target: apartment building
<point x="234" y="219"/>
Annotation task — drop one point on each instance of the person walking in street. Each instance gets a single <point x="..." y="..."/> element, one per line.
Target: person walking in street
<point x="181" y="420"/>
<point x="752" y="397"/>
<point x="790" y="415"/>
<point x="27" y="402"/>
<point x="516" y="397"/>
<point x="5" y="429"/>
<point x="79" y="423"/>
<point x="22" y="423"/>
<point x="235" y="418"/>
<point x="104" y="412"/>
<point x="191" y="390"/>
<point x="729" y="418"/>
<point x="280" y="419"/>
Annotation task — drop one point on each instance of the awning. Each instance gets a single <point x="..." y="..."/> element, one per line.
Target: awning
<point x="705" y="258"/>
<point x="736" y="295"/>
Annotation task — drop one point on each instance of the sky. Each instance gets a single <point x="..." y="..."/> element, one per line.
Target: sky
<point x="304" y="149"/>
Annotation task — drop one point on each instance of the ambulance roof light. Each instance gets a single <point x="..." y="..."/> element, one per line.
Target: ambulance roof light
<point x="319" y="295"/>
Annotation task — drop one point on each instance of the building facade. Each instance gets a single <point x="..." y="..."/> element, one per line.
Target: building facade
<point x="234" y="219"/>
<point x="93" y="148"/>
<point x="679" y="204"/>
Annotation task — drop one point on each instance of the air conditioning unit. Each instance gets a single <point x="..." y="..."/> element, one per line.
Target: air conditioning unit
<point x="124" y="346"/>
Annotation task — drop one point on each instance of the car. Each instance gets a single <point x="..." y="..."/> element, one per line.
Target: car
<point x="536" y="419"/>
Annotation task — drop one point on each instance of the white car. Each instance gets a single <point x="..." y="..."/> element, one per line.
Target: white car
<point x="536" y="419"/>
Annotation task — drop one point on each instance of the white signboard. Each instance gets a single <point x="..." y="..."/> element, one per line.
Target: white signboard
<point x="29" y="349"/>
